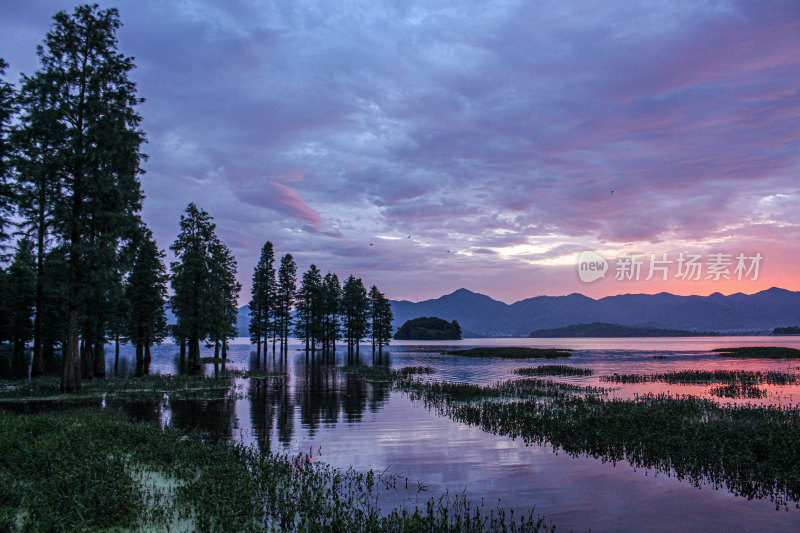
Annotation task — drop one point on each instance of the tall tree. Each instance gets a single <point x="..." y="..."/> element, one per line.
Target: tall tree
<point x="225" y="290"/>
<point x="146" y="292"/>
<point x="355" y="312"/>
<point x="286" y="291"/>
<point x="93" y="101"/>
<point x="331" y="305"/>
<point x="7" y="108"/>
<point x="18" y="299"/>
<point x="263" y="295"/>
<point x="380" y="311"/>
<point x="308" y="326"/>
<point x="194" y="298"/>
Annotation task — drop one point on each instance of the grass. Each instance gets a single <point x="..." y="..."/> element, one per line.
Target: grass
<point x="87" y="472"/>
<point x="707" y="376"/>
<point x="768" y="352"/>
<point x="48" y="387"/>
<point x="750" y="450"/>
<point x="513" y="352"/>
<point x="554" y="370"/>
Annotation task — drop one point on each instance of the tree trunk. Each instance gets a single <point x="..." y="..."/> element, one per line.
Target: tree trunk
<point x="147" y="357"/>
<point x="87" y="359"/>
<point x="183" y="350"/>
<point x="224" y="348"/>
<point x="116" y="354"/>
<point x="71" y="374"/>
<point x="194" y="353"/>
<point x="216" y="349"/>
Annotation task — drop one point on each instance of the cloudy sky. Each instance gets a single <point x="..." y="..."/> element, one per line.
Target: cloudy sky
<point x="431" y="145"/>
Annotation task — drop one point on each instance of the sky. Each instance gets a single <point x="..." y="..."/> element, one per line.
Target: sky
<point x="431" y="145"/>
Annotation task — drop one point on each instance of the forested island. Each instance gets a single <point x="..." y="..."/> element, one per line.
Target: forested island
<point x="603" y="329"/>
<point x="428" y="328"/>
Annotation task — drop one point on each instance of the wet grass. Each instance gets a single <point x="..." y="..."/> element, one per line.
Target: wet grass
<point x="554" y="370"/>
<point x="88" y="472"/>
<point x="48" y="387"/>
<point x="435" y="392"/>
<point x="513" y="352"/>
<point x="707" y="376"/>
<point x="767" y="352"/>
<point x="752" y="451"/>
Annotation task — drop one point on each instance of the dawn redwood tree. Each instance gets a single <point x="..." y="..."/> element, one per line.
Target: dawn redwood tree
<point x="355" y="313"/>
<point x="146" y="292"/>
<point x="194" y="298"/>
<point x="331" y="305"/>
<point x="308" y="325"/>
<point x="19" y="289"/>
<point x="380" y="311"/>
<point x="7" y="108"/>
<point x="98" y="139"/>
<point x="225" y="291"/>
<point x="263" y="295"/>
<point x="285" y="298"/>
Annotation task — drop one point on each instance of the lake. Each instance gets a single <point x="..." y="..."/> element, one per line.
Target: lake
<point x="345" y="421"/>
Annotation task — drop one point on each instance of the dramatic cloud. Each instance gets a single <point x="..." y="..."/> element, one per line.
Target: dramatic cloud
<point x="431" y="145"/>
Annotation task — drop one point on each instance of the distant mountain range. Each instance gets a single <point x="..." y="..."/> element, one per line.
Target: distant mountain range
<point x="603" y="329"/>
<point x="482" y="316"/>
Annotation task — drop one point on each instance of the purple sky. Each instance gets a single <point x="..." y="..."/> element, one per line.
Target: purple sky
<point x="491" y="133"/>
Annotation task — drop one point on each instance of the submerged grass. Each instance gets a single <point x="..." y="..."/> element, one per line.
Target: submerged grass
<point x="707" y="376"/>
<point x="750" y="450"/>
<point x="554" y="370"/>
<point x="87" y="471"/>
<point x="768" y="352"/>
<point x="48" y="387"/>
<point x="738" y="390"/>
<point x="512" y="352"/>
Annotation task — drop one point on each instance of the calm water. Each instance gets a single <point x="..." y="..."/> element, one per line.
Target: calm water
<point x="344" y="421"/>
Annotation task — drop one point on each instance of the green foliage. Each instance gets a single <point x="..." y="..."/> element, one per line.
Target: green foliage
<point x="286" y="292"/>
<point x="428" y="328"/>
<point x="203" y="281"/>
<point x="355" y="312"/>
<point x="7" y="110"/>
<point x="707" y="376"/>
<point x="308" y="322"/>
<point x="380" y="312"/>
<point x="263" y="295"/>
<point x="18" y="293"/>
<point x="331" y="306"/>
<point x="146" y="292"/>
<point x="512" y="352"/>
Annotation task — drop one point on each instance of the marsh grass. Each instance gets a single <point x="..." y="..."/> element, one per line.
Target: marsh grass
<point x="85" y="471"/>
<point x="554" y="370"/>
<point x="738" y="390"/>
<point x="381" y="373"/>
<point x="750" y="450"/>
<point x="768" y="352"/>
<point x="707" y="376"/>
<point x="48" y="387"/>
<point x="512" y="352"/>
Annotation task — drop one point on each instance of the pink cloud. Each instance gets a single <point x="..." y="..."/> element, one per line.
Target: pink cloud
<point x="289" y="202"/>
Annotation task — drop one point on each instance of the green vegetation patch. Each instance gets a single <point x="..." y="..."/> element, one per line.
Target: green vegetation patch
<point x="512" y="352"/>
<point x="382" y="373"/>
<point x="768" y="352"/>
<point x="89" y="472"/>
<point x="738" y="390"/>
<point x="554" y="370"/>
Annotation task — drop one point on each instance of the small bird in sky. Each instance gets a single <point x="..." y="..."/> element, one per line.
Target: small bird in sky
<point x="370" y="244"/>
<point x="612" y="191"/>
<point x="409" y="236"/>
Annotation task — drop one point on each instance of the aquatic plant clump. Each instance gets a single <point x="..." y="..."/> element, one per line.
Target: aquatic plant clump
<point x="381" y="373"/>
<point x="738" y="390"/>
<point x="767" y="352"/>
<point x="92" y="472"/>
<point x="750" y="450"/>
<point x="512" y="352"/>
<point x="554" y="370"/>
<point x="707" y="376"/>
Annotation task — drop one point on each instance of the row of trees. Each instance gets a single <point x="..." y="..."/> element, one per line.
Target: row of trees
<point x="86" y="268"/>
<point x="325" y="311"/>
